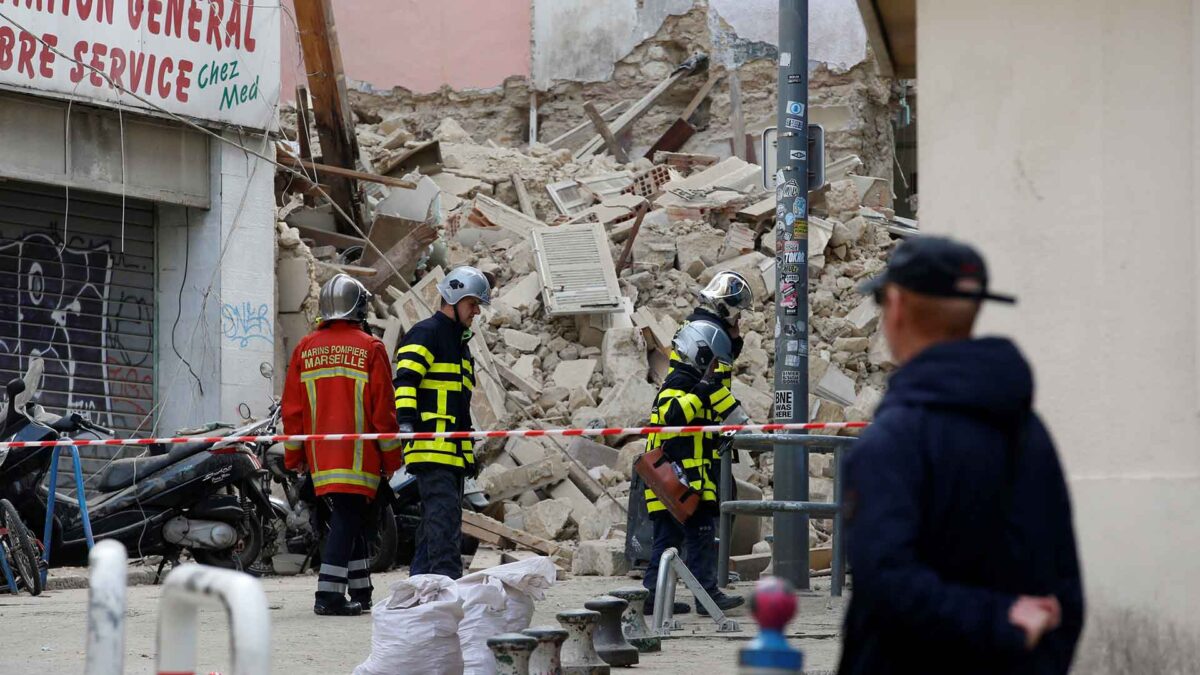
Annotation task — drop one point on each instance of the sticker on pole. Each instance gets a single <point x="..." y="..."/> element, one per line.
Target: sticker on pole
<point x="784" y="410"/>
<point x="795" y="108"/>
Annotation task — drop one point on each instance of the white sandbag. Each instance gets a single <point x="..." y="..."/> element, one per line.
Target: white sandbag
<point x="524" y="582"/>
<point x="415" y="628"/>
<point x="484" y="602"/>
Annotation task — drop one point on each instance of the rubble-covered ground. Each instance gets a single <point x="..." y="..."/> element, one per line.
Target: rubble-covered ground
<point x="602" y="369"/>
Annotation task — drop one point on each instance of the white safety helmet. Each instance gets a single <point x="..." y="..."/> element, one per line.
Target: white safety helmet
<point x="463" y="282"/>
<point x="727" y="295"/>
<point x="699" y="343"/>
<point x="343" y="297"/>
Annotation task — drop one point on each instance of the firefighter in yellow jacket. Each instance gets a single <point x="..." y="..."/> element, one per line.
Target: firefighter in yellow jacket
<point x="693" y="394"/>
<point x="435" y="375"/>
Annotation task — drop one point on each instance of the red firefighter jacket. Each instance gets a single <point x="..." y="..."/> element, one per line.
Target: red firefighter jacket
<point x="340" y="381"/>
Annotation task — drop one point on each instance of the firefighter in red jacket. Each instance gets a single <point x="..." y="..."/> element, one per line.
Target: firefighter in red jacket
<point x="340" y="381"/>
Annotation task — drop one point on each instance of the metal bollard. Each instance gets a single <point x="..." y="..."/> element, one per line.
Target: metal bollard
<point x="773" y="605"/>
<point x="633" y="619"/>
<point x="511" y="651"/>
<point x="579" y="655"/>
<point x="611" y="644"/>
<point x="547" y="656"/>
<point x="242" y="597"/>
<point x="106" y="609"/>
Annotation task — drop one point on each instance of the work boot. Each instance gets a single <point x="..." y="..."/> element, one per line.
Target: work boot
<point x="338" y="607"/>
<point x="677" y="607"/>
<point x="363" y="599"/>
<point x="723" y="601"/>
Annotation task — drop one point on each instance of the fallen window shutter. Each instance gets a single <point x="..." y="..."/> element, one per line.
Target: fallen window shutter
<point x="577" y="271"/>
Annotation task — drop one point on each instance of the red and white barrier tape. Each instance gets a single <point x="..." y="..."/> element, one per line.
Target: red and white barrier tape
<point x="428" y="435"/>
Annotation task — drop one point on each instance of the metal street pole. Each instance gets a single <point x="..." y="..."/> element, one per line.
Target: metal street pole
<point x="791" y="283"/>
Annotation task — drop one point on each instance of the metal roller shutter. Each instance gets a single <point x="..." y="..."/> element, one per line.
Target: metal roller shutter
<point x="82" y="299"/>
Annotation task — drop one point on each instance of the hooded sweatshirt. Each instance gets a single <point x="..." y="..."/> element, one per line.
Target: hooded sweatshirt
<point x="955" y="505"/>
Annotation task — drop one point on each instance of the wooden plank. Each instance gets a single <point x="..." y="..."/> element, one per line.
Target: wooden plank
<point x="578" y="134"/>
<point x="637" y="227"/>
<point x="331" y="103"/>
<point x="737" y="121"/>
<point x="485" y="558"/>
<point x="289" y="160"/>
<point x="523" y="196"/>
<point x="516" y="556"/>
<point x="353" y="270"/>
<point x="682" y="129"/>
<point x="327" y="238"/>
<point x="402" y="256"/>
<point x="614" y="147"/>
<point x="484" y="535"/>
<point x="481" y="523"/>
<point x="490" y="213"/>
<point x="626" y="121"/>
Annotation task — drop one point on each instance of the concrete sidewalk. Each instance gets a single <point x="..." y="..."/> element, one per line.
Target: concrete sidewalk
<point x="46" y="634"/>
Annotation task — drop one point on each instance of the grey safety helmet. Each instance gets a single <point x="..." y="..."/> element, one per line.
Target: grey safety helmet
<point x="343" y="297"/>
<point x="465" y="282"/>
<point x="727" y="295"/>
<point x="699" y="343"/>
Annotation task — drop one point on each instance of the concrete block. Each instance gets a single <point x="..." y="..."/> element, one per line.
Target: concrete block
<point x="391" y="124"/>
<point x="756" y="403"/>
<point x="524" y="367"/>
<point x="623" y="355"/>
<point x="629" y="452"/>
<point x="294" y="283"/>
<point x="552" y="397"/>
<point x="521" y="341"/>
<point x="604" y="557"/>
<point x="548" y="519"/>
<point x="527" y="450"/>
<point x="698" y="250"/>
<point x="606" y="522"/>
<point x="533" y="476"/>
<point x="581" y="398"/>
<point x="523" y="296"/>
<point x="879" y="354"/>
<point x="751" y="566"/>
<point x="853" y="345"/>
<point x="574" y="374"/>
<point x="629" y="404"/>
<point x="592" y="454"/>
<point x="836" y="386"/>
<point x="864" y="406"/>
<point x="568" y="492"/>
<point x="654" y="251"/>
<point x="864" y="317"/>
<point x="514" y="516"/>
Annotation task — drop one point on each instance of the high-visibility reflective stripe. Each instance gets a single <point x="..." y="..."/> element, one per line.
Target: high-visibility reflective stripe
<point x="441" y="384"/>
<point x="409" y="364"/>
<point x="334" y="570"/>
<point x="410" y="392"/>
<point x="359" y="583"/>
<point x="412" y="457"/>
<point x="466" y="364"/>
<point x="469" y="384"/>
<point x="416" y="349"/>
<point x="390" y="446"/>
<point x="331" y="587"/>
<point x="356" y="565"/>
<point x="345" y="476"/>
<point x="359" y="423"/>
<point x="339" y="371"/>
<point x="311" y="388"/>
<point x="441" y="367"/>
<point x="293" y="446"/>
<point x="406" y="403"/>
<point x="427" y="416"/>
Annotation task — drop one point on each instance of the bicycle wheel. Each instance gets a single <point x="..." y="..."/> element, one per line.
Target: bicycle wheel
<point x="20" y="544"/>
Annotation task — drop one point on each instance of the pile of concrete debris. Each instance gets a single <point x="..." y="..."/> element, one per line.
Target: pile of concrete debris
<point x="597" y="264"/>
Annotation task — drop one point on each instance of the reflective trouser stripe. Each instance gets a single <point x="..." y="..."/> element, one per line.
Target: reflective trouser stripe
<point x="334" y="570"/>
<point x="363" y="582"/>
<point x="332" y="586"/>
<point x="356" y="565"/>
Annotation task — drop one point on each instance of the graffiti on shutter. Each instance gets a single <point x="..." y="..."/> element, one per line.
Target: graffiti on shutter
<point x="81" y="299"/>
<point x="576" y="268"/>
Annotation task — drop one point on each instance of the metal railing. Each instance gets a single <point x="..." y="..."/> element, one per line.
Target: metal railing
<point x="803" y="443"/>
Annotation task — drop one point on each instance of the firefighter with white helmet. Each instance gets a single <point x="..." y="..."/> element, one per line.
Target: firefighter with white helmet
<point x="435" y="375"/>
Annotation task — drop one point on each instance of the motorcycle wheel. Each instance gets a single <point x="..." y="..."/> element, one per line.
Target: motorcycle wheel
<point x="22" y="551"/>
<point x="244" y="554"/>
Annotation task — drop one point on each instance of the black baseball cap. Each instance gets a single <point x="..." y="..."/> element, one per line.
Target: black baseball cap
<point x="939" y="267"/>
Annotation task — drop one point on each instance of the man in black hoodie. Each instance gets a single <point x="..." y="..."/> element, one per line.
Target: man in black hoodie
<point x="959" y="522"/>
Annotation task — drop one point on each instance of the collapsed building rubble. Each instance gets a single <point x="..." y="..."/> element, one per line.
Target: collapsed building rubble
<point x="597" y="264"/>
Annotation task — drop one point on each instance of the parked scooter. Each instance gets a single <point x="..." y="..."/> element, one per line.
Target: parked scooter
<point x="199" y="497"/>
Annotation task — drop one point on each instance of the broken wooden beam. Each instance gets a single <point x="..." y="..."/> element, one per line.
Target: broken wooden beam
<point x="402" y="256"/>
<point x="289" y="160"/>
<point x="614" y="147"/>
<point x="737" y="121"/>
<point x="523" y="196"/>
<point x="626" y="121"/>
<point x="633" y="233"/>
<point x="327" y="238"/>
<point x="331" y="103"/>
<point x="578" y="135"/>
<point x="491" y="530"/>
<point x="682" y="129"/>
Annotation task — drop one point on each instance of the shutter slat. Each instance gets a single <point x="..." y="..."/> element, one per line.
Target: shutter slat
<point x="577" y="271"/>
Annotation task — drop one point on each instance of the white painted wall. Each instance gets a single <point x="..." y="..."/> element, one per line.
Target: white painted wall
<point x="232" y="247"/>
<point x="1066" y="142"/>
<point x="836" y="35"/>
